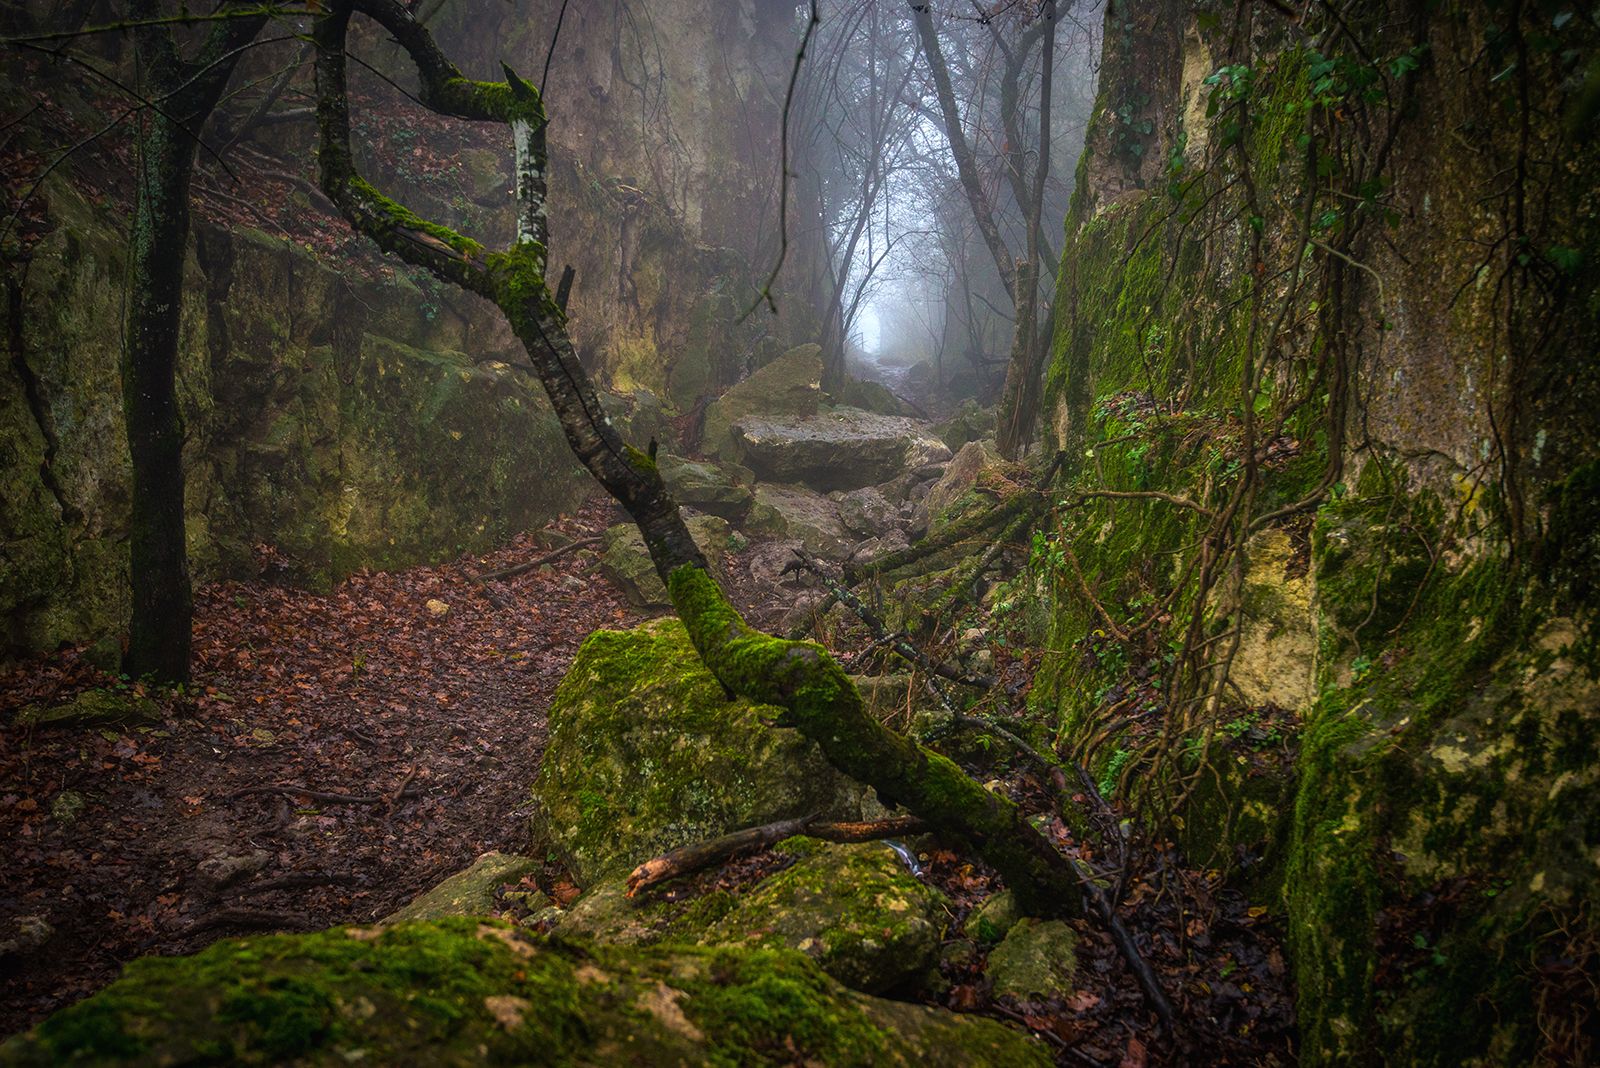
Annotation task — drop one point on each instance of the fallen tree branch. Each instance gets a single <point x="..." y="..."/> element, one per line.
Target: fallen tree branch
<point x="320" y="795"/>
<point x="531" y="565"/>
<point x="701" y="855"/>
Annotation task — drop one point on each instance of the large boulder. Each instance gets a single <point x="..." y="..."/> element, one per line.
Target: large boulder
<point x="627" y="562"/>
<point x="852" y="908"/>
<point x="708" y="486"/>
<point x="647" y="753"/>
<point x="865" y="511"/>
<point x="836" y="449"/>
<point x="791" y="385"/>
<point x="463" y="991"/>
<point x="802" y="515"/>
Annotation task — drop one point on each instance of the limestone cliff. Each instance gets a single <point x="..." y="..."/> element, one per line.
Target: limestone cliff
<point x="1324" y="377"/>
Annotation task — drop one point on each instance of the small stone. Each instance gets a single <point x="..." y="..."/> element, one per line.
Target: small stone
<point x="27" y="933"/>
<point x="993" y="920"/>
<point x="436" y="608"/>
<point x="224" y="869"/>
<point x="67" y="807"/>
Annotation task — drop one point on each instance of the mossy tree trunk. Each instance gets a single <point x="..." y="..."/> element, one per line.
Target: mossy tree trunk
<point x="801" y="677"/>
<point x="183" y="94"/>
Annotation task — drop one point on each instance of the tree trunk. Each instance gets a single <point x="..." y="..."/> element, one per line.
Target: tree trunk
<point x="158" y="564"/>
<point x="158" y="561"/>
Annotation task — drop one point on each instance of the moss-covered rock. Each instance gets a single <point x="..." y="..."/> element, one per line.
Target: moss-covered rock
<point x="1036" y="959"/>
<point x="470" y="892"/>
<point x="852" y="908"/>
<point x="647" y="753"/>
<point x="975" y="478"/>
<point x="465" y="992"/>
<point x="855" y="909"/>
<point x="993" y="920"/>
<point x="93" y="708"/>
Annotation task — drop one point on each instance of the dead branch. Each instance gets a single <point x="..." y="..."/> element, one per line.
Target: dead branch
<point x="701" y="855"/>
<point x="535" y="564"/>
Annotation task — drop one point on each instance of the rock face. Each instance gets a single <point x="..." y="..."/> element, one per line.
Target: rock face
<point x="854" y="909"/>
<point x="791" y="385"/>
<point x="836" y="449"/>
<point x="468" y="992"/>
<point x="647" y="753"/>
<point x="627" y="562"/>
<point x="325" y="415"/>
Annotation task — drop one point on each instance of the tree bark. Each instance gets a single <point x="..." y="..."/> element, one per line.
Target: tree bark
<point x="820" y="700"/>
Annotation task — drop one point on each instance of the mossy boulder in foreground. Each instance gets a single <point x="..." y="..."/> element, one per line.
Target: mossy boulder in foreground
<point x="854" y="909"/>
<point x="465" y="991"/>
<point x="648" y="753"/>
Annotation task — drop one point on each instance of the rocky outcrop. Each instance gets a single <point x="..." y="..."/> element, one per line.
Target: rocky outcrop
<point x="468" y="992"/>
<point x="647" y="753"/>
<point x="791" y="385"/>
<point x="836" y="449"/>
<point x="329" y="415"/>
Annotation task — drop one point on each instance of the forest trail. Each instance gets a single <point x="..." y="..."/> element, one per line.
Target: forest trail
<point x="161" y="839"/>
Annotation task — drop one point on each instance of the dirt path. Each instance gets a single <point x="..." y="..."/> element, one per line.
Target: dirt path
<point x="358" y="693"/>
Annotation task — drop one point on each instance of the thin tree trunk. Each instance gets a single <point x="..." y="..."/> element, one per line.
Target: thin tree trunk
<point x="158" y="563"/>
<point x="162" y="603"/>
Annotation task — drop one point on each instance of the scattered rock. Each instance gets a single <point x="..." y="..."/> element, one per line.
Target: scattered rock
<point x="977" y="466"/>
<point x="993" y="920"/>
<point x="495" y="995"/>
<point x="67" y="807"/>
<point x="802" y="515"/>
<point x="767" y="561"/>
<point x="470" y="892"/>
<point x="870" y="550"/>
<point x="865" y="511"/>
<point x="647" y="753"/>
<point x="224" y="869"/>
<point x="27" y="934"/>
<point x="790" y="385"/>
<point x="94" y="708"/>
<point x="708" y="486"/>
<point x="888" y="695"/>
<point x="1037" y="959"/>
<point x="970" y="423"/>
<point x="627" y="562"/>
<point x="436" y="608"/>
<point x="836" y="449"/>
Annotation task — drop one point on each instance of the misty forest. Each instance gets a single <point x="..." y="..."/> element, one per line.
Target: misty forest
<point x="800" y="532"/>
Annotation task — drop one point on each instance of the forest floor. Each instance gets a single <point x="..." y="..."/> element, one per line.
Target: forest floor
<point x="340" y="753"/>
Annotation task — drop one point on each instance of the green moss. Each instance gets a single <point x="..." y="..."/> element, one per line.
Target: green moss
<point x="464" y="991"/>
